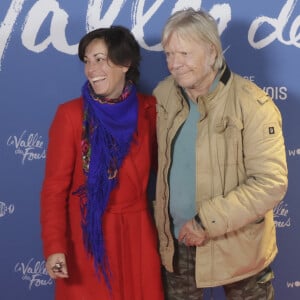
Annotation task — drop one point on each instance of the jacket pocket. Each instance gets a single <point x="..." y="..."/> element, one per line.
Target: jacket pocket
<point x="229" y="153"/>
<point x="254" y="230"/>
<point x="229" y="132"/>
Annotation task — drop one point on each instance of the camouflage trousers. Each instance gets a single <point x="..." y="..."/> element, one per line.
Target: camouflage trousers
<point x="181" y="284"/>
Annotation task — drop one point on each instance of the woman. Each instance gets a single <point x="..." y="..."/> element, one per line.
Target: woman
<point x="98" y="235"/>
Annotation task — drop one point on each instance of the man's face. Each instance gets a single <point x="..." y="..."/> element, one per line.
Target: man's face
<point x="190" y="62"/>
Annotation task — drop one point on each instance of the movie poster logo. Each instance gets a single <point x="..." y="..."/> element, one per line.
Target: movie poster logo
<point x="275" y="92"/>
<point x="293" y="152"/>
<point x="28" y="145"/>
<point x="283" y="28"/>
<point x="6" y="209"/>
<point x="34" y="273"/>
<point x="281" y="215"/>
<point x="293" y="284"/>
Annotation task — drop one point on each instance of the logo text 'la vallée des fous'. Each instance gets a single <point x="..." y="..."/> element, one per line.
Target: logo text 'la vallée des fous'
<point x="281" y="215"/>
<point x="34" y="271"/>
<point x="29" y="145"/>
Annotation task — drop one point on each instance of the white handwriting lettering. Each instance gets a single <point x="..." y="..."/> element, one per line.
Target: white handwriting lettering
<point x="278" y="26"/>
<point x="96" y="17"/>
<point x="34" y="272"/>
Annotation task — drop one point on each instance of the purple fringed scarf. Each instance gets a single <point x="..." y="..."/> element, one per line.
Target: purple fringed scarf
<point x="107" y="133"/>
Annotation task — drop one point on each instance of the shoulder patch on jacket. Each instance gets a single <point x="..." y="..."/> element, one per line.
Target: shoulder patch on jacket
<point x="271" y="130"/>
<point x="262" y="100"/>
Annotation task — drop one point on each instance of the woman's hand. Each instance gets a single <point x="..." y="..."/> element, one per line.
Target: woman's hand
<point x="56" y="266"/>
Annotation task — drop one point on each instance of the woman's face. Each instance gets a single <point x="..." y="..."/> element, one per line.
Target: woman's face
<point x="106" y="78"/>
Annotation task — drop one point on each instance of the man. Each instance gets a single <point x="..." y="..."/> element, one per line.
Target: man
<point x="222" y="168"/>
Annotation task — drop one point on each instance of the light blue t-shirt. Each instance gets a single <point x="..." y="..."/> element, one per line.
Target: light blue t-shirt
<point x="183" y="171"/>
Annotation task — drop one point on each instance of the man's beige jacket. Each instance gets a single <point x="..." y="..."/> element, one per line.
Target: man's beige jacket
<point x="241" y="175"/>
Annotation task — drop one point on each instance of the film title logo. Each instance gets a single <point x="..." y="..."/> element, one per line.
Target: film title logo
<point x="29" y="146"/>
<point x="34" y="271"/>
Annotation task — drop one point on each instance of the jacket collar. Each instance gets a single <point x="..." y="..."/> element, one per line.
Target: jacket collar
<point x="226" y="75"/>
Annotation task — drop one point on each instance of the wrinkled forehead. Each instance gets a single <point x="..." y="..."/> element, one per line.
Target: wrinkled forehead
<point x="181" y="38"/>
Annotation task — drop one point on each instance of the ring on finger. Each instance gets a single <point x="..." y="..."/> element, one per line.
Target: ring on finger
<point x="57" y="268"/>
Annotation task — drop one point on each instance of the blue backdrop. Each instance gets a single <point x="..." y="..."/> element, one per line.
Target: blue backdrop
<point x="39" y="69"/>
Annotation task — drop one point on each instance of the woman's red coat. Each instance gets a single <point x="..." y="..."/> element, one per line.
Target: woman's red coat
<point x="130" y="236"/>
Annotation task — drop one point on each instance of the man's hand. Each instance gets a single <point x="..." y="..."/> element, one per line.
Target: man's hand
<point x="191" y="234"/>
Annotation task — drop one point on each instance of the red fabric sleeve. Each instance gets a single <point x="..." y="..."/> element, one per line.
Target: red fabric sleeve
<point x="151" y="115"/>
<point x="61" y="155"/>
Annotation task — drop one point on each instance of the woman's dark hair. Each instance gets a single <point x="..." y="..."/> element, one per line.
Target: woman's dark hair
<point x="123" y="49"/>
